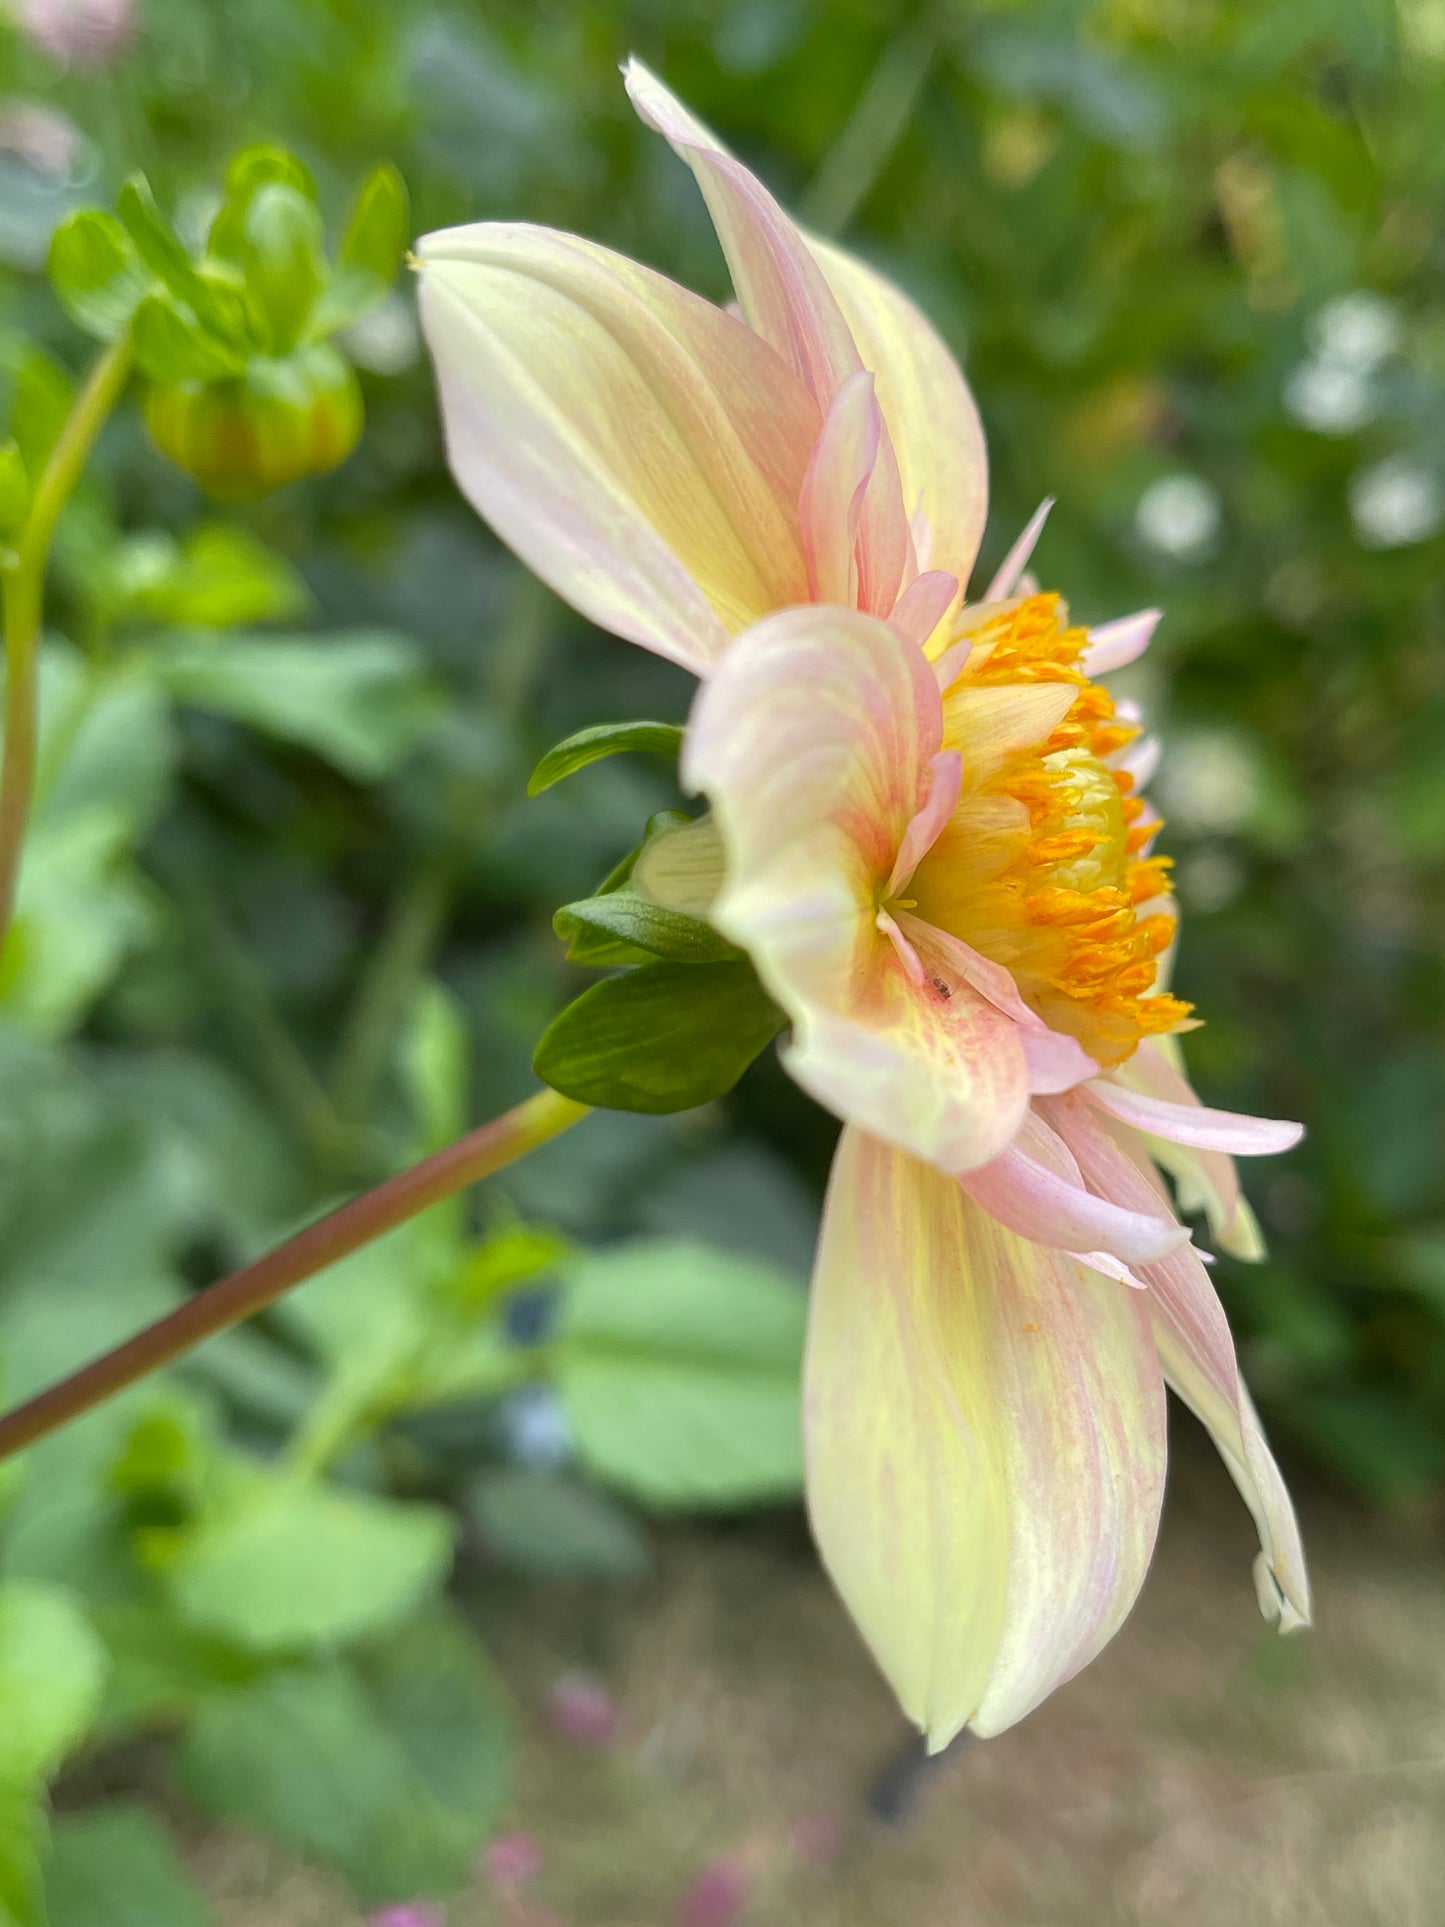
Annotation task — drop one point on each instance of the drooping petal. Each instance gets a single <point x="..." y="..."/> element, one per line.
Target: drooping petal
<point x="926" y="403"/>
<point x="1043" y="1197"/>
<point x="1193" y="1123"/>
<point x="985" y="1443"/>
<point x="1204" y="1180"/>
<point x="641" y="450"/>
<point x="813" y="742"/>
<point x="1113" y="644"/>
<point x="1197" y="1353"/>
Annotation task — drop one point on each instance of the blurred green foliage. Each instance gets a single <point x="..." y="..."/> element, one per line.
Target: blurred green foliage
<point x="286" y="914"/>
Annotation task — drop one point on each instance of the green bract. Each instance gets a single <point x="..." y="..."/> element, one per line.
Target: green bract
<point x="246" y="391"/>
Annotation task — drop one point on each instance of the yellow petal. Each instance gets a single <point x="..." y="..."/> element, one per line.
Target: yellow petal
<point x="984" y="1422"/>
<point x="641" y="450"/>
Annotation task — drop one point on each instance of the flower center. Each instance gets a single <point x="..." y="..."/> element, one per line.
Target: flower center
<point x="1043" y="865"/>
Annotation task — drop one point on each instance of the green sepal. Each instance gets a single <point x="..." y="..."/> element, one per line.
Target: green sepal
<point x="370" y="253"/>
<point x="603" y="739"/>
<point x="96" y="272"/>
<point x="219" y="309"/>
<point x="666" y="1037"/>
<point x="624" y="916"/>
<point x="170" y="345"/>
<point x="283" y="260"/>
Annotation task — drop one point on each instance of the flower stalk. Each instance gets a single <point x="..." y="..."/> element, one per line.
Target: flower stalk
<point x="478" y="1155"/>
<point x="23" y="580"/>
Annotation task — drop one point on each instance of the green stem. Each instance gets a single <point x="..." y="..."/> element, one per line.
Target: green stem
<point x="24" y="591"/>
<point x="399" y="961"/>
<point x="257" y="1285"/>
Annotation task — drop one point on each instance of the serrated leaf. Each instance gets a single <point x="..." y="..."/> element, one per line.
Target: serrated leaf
<point x="97" y="273"/>
<point x="635" y="921"/>
<point x="665" y="1037"/>
<point x="115" y="1866"/>
<point x="604" y="739"/>
<point x="678" y="1369"/>
<point x="362" y="700"/>
<point x="295" y="1563"/>
<point x="171" y="345"/>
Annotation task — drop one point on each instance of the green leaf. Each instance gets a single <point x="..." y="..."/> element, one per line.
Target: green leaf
<point x="52" y="1667"/>
<point x="14" y="490"/>
<point x="605" y="739"/>
<point x="221" y="578"/>
<point x="666" y="1037"/>
<point x="96" y="272"/>
<point x="293" y="1563"/>
<point x="393" y="1778"/>
<point x="22" y="1835"/>
<point x="376" y="235"/>
<point x="171" y="345"/>
<point x="283" y="260"/>
<point x="371" y="249"/>
<point x="40" y="406"/>
<point x="435" y="1064"/>
<point x="546" y="1525"/>
<point x="635" y="921"/>
<point x="363" y="699"/>
<point x="678" y="1368"/>
<point x="115" y="1866"/>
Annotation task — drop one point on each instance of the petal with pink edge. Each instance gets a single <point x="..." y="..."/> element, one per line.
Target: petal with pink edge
<point x="641" y="450"/>
<point x="1197" y="1353"/>
<point x="942" y="460"/>
<point x="784" y="295"/>
<point x="984" y="1422"/>
<point x="814" y="743"/>
<point x="1193" y="1123"/>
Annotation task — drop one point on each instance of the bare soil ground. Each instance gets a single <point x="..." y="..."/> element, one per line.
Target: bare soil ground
<point x="1203" y="1773"/>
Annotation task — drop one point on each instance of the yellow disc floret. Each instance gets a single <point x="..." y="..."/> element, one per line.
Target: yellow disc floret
<point x="1042" y="867"/>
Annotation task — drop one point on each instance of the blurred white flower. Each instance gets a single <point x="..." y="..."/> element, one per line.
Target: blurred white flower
<point x="77" y="33"/>
<point x="1332" y="397"/>
<point x="1357" y="330"/>
<point x="1396" y="502"/>
<point x="1179" y="516"/>
<point x="535" y="1428"/>
<point x="1209" y="781"/>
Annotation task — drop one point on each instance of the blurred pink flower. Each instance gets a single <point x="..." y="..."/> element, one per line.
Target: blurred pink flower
<point x="583" y="1711"/>
<point x="717" y="1897"/>
<point x="416" y="1913"/>
<point x="513" y="1859"/>
<point x="46" y="140"/>
<point x="817" y="1838"/>
<point x="78" y="33"/>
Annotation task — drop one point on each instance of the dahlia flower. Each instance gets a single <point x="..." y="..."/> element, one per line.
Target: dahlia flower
<point x="927" y="829"/>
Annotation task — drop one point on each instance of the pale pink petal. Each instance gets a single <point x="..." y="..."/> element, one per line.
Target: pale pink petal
<point x="1197" y="1353"/>
<point x="831" y="502"/>
<point x="640" y="450"/>
<point x="1006" y="579"/>
<point x="1193" y="1124"/>
<point x="909" y="958"/>
<point x="928" y="408"/>
<point x="1111" y="1267"/>
<point x="923" y="605"/>
<point x="945" y="780"/>
<point x="1025" y="1189"/>
<point x="1055" y="1062"/>
<point x="782" y="291"/>
<point x="1140" y="759"/>
<point x="985" y="1443"/>
<point x="951" y="664"/>
<point x="812" y="742"/>
<point x="1204" y="1180"/>
<point x="1114" y="644"/>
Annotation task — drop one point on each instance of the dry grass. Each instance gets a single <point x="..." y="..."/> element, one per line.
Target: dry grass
<point x="1201" y="1774"/>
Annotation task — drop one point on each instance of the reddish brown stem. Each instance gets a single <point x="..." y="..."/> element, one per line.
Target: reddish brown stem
<point x="257" y="1285"/>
